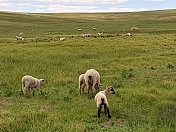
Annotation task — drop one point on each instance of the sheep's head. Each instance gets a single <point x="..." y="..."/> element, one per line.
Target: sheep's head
<point x="110" y="90"/>
<point x="42" y="82"/>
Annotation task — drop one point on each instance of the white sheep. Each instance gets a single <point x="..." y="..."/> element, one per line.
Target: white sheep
<point x="101" y="99"/>
<point x="128" y="34"/>
<point x="134" y="28"/>
<point x="31" y="82"/>
<point x="92" y="80"/>
<point x="99" y="34"/>
<point x="88" y="35"/>
<point x="79" y="29"/>
<point x="62" y="39"/>
<point x="82" y="83"/>
<point x="94" y="29"/>
<point x="19" y="38"/>
<point x="85" y="35"/>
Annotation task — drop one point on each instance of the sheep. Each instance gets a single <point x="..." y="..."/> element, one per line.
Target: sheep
<point x="81" y="83"/>
<point x="88" y="35"/>
<point x="92" y="80"/>
<point x="94" y="29"/>
<point x="62" y="39"/>
<point x="101" y="99"/>
<point x="19" y="38"/>
<point x="31" y="82"/>
<point x="128" y="34"/>
<point x="79" y="29"/>
<point x="134" y="28"/>
<point x="99" y="34"/>
<point x="85" y="35"/>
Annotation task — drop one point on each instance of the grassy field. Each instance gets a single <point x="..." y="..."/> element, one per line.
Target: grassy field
<point x="141" y="69"/>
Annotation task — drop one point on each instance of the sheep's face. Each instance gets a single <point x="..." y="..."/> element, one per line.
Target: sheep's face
<point x="42" y="82"/>
<point x="110" y="90"/>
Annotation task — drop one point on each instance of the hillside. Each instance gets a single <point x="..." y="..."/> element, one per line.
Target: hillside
<point x="141" y="68"/>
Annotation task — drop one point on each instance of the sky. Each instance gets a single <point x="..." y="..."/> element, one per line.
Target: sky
<point x="67" y="6"/>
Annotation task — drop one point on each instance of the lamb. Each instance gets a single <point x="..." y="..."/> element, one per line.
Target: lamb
<point x="81" y="83"/>
<point x="94" y="29"/>
<point x="101" y="99"/>
<point x="92" y="80"/>
<point x="31" y="82"/>
<point x="79" y="29"/>
<point x="99" y="34"/>
<point x="134" y="28"/>
<point x="62" y="39"/>
<point x="19" y="38"/>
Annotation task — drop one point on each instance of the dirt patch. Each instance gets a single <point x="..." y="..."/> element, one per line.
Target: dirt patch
<point x="4" y="103"/>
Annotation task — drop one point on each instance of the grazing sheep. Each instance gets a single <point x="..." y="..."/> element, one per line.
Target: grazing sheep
<point x="99" y="34"/>
<point x="128" y="34"/>
<point x="62" y="39"/>
<point x="92" y="80"/>
<point x="85" y="35"/>
<point x="31" y="82"/>
<point x="81" y="83"/>
<point x="19" y="38"/>
<point x="94" y="29"/>
<point x="101" y="99"/>
<point x="79" y="29"/>
<point x="134" y="28"/>
<point x="88" y="35"/>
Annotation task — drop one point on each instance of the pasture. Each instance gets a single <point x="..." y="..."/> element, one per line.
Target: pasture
<point x="140" y="68"/>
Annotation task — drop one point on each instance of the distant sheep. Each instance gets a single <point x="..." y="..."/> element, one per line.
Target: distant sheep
<point x="94" y="29"/>
<point x="85" y="35"/>
<point x="19" y="38"/>
<point x="79" y="29"/>
<point x="92" y="80"/>
<point x="62" y="39"/>
<point x="134" y="28"/>
<point x="82" y="83"/>
<point x="99" y="34"/>
<point x="101" y="99"/>
<point x="31" y="82"/>
<point x="128" y="34"/>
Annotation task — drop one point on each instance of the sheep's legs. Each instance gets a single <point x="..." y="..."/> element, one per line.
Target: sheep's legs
<point x="83" y="88"/>
<point x="109" y="116"/>
<point x="38" y="90"/>
<point x="32" y="91"/>
<point x="99" y="111"/>
<point x="105" y="109"/>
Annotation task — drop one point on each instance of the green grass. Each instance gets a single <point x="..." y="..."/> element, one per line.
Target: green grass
<point x="140" y="68"/>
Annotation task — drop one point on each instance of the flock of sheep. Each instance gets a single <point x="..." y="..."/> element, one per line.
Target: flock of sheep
<point x="87" y="35"/>
<point x="91" y="79"/>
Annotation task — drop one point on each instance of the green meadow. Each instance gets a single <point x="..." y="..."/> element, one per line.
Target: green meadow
<point x="141" y="69"/>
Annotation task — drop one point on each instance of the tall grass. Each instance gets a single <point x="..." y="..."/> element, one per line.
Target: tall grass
<point x="141" y="69"/>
